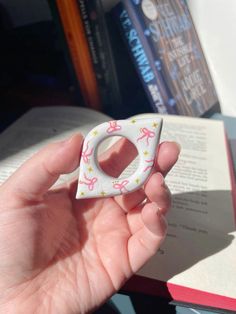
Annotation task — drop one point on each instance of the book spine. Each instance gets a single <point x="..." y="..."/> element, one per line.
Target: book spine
<point x="111" y="93"/>
<point x="134" y="97"/>
<point x="170" y="33"/>
<point x="89" y="17"/>
<point x="142" y="56"/>
<point x="93" y="16"/>
<point x="79" y="50"/>
<point x="85" y="15"/>
<point x="63" y="46"/>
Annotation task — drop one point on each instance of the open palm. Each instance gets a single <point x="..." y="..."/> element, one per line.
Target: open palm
<point x="62" y="255"/>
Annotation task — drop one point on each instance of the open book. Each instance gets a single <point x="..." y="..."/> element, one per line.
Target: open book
<point x="196" y="263"/>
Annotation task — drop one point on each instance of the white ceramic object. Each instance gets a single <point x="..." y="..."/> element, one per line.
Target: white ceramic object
<point x="143" y="133"/>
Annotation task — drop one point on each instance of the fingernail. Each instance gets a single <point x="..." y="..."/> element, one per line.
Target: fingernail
<point x="162" y="224"/>
<point x="161" y="178"/>
<point x="159" y="226"/>
<point x="178" y="145"/>
<point x="67" y="140"/>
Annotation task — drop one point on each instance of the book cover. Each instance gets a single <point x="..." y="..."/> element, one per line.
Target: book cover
<point x="167" y="30"/>
<point x="152" y="82"/>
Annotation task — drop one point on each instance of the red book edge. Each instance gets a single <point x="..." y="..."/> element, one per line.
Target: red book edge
<point x="179" y="293"/>
<point x="232" y="175"/>
<point x="184" y="294"/>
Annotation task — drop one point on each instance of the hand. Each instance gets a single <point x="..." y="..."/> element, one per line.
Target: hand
<point x="62" y="255"/>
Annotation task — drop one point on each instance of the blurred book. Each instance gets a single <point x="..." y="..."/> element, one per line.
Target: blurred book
<point x="166" y="51"/>
<point x="94" y="19"/>
<point x="132" y="98"/>
<point x="120" y="88"/>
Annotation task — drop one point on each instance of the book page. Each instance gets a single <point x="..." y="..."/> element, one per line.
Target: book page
<point x="39" y="127"/>
<point x="200" y="249"/>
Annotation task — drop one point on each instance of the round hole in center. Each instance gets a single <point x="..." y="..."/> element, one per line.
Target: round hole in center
<point x="118" y="157"/>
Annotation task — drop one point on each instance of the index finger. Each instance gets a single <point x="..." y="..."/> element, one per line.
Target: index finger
<point x="167" y="155"/>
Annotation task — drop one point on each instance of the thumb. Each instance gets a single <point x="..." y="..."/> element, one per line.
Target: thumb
<point x="42" y="170"/>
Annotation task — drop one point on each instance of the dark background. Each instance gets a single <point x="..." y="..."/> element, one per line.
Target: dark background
<point x="34" y="68"/>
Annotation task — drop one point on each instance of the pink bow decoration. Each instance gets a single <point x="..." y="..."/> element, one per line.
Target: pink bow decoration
<point x="90" y="182"/>
<point x="146" y="134"/>
<point x="85" y="154"/>
<point x="121" y="186"/>
<point x="149" y="166"/>
<point x="113" y="127"/>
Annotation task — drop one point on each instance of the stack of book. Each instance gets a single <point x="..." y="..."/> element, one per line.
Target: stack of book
<point x="138" y="56"/>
